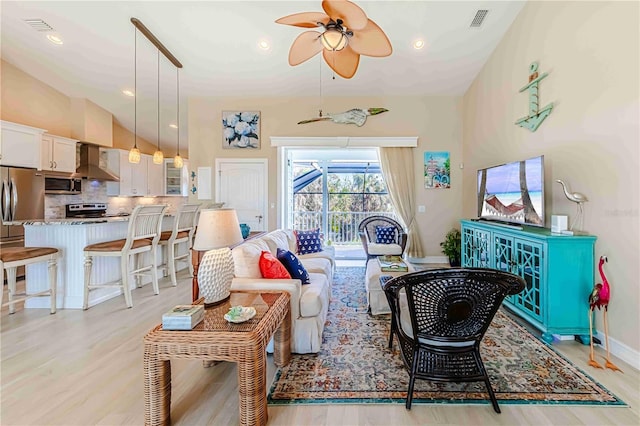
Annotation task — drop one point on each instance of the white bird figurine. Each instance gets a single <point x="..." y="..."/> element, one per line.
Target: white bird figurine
<point x="577" y="198"/>
<point x="355" y="116"/>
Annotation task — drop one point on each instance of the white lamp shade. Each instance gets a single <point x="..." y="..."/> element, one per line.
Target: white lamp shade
<point x="217" y="228"/>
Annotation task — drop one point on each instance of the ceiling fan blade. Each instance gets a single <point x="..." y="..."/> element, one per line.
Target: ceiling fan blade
<point x="371" y="41"/>
<point x="344" y="62"/>
<point x="304" y="19"/>
<point x="353" y="17"/>
<point x="304" y="47"/>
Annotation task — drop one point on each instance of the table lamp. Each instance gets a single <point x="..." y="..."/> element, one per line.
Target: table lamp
<point x="217" y="230"/>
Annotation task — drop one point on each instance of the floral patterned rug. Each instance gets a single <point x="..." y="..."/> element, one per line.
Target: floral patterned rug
<point x="355" y="365"/>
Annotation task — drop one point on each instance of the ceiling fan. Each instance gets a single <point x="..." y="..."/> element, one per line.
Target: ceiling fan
<point x="348" y="33"/>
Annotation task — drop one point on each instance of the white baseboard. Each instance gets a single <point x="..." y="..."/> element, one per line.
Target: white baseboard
<point x="620" y="350"/>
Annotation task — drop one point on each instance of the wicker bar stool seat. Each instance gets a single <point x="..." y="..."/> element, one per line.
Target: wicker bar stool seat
<point x="182" y="232"/>
<point x="12" y="258"/>
<point x="143" y="235"/>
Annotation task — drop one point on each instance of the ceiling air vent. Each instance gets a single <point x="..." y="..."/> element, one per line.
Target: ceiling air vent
<point x="38" y="24"/>
<point x="479" y="18"/>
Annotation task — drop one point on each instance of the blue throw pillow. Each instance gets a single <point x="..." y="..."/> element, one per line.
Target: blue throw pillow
<point x="385" y="234"/>
<point x="308" y="241"/>
<point x="293" y="265"/>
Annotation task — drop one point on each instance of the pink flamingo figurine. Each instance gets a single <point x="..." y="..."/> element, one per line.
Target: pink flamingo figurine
<point x="600" y="298"/>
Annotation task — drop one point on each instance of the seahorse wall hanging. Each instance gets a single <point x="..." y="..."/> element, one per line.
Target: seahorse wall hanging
<point x="536" y="116"/>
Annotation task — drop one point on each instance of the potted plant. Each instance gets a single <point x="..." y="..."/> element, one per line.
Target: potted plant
<point x="452" y="245"/>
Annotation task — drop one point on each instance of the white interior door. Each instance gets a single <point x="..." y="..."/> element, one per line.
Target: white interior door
<point x="243" y="185"/>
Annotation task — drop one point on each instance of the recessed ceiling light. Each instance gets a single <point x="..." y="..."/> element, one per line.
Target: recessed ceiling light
<point x="54" y="39"/>
<point x="418" y="44"/>
<point x="173" y="126"/>
<point x="128" y="93"/>
<point x="264" y="45"/>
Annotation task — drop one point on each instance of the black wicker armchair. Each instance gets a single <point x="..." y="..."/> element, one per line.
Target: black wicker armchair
<point x="367" y="232"/>
<point x="440" y="316"/>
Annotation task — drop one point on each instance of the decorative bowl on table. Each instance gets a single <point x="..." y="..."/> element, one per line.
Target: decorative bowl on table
<point x="239" y="314"/>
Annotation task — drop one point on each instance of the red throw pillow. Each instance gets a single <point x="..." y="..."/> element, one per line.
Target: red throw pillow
<point x="271" y="267"/>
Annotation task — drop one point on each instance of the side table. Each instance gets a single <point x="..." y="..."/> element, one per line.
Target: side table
<point x="215" y="339"/>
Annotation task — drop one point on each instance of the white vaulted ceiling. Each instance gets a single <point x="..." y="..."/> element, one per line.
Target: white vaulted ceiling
<point x="217" y="43"/>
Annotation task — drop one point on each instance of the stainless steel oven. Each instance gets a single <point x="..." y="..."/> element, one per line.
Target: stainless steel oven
<point x="62" y="185"/>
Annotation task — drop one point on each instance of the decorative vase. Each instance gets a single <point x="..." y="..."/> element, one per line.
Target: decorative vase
<point x="244" y="228"/>
<point x="215" y="274"/>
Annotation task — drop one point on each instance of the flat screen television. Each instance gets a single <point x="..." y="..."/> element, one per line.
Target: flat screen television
<point x="513" y="192"/>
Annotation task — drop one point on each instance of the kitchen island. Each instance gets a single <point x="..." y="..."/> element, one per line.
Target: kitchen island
<point x="70" y="236"/>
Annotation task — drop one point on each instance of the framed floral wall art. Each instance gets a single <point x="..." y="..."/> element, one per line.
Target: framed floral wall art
<point x="240" y="129"/>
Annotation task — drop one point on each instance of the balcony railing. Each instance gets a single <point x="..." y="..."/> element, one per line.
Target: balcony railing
<point x="342" y="227"/>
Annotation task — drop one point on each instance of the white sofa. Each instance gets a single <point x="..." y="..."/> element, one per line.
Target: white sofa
<point x="309" y="302"/>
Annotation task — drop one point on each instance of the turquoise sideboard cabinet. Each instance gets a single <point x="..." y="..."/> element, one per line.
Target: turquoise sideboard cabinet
<point x="558" y="269"/>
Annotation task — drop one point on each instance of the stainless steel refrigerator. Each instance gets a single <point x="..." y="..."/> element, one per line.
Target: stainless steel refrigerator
<point x="21" y="198"/>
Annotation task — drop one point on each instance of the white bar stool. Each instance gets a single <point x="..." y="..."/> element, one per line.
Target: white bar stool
<point x="184" y="226"/>
<point x="143" y="235"/>
<point x="11" y="258"/>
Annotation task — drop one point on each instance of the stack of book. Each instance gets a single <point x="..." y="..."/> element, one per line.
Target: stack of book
<point x="183" y="317"/>
<point x="392" y="264"/>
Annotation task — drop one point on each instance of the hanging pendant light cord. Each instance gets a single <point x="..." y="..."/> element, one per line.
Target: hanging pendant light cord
<point x="135" y="88"/>
<point x="158" y="100"/>
<point x="178" y="105"/>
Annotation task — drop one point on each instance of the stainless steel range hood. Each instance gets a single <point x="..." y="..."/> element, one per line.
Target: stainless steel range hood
<point x="89" y="167"/>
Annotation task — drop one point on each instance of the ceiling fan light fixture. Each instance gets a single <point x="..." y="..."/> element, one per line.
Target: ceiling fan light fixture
<point x="333" y="39"/>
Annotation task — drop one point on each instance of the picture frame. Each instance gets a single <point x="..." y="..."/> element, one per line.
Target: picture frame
<point x="437" y="170"/>
<point x="241" y="129"/>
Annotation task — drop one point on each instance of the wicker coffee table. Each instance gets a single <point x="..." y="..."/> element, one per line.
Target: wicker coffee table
<point x="215" y="339"/>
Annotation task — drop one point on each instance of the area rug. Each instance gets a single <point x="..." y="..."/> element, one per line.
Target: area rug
<point x="355" y="365"/>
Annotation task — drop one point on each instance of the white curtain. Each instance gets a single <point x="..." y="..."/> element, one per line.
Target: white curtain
<point x="397" y="169"/>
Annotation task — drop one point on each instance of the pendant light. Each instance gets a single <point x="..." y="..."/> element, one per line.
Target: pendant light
<point x="158" y="156"/>
<point x="177" y="160"/>
<point x="134" y="154"/>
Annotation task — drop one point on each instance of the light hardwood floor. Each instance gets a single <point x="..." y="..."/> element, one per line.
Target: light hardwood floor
<point x="85" y="368"/>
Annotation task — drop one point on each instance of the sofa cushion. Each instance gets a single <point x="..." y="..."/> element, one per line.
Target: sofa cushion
<point x="318" y="265"/>
<point x="275" y="240"/>
<point x="328" y="252"/>
<point x="375" y="249"/>
<point x="385" y="234"/>
<point x="308" y="241"/>
<point x="293" y="265"/>
<point x="314" y="296"/>
<point x="270" y="267"/>
<point x="246" y="258"/>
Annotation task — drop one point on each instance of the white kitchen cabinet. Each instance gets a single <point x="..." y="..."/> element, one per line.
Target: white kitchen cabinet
<point x="133" y="177"/>
<point x="176" y="181"/>
<point x="155" y="181"/>
<point x="20" y="145"/>
<point x="144" y="179"/>
<point x="58" y="153"/>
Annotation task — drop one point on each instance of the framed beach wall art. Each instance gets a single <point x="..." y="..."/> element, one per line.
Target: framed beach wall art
<point x="240" y="129"/>
<point x="437" y="169"/>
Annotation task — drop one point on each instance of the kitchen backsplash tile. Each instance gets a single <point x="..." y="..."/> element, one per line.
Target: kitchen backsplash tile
<point x="96" y="192"/>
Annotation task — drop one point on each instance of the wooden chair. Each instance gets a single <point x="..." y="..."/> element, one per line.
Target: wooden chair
<point x="13" y="257"/>
<point x="142" y="236"/>
<point x="440" y="316"/>
<point x="184" y="226"/>
<point x="367" y="232"/>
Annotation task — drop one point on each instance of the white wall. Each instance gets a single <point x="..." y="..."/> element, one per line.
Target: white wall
<point x="591" y="52"/>
<point x="437" y="121"/>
